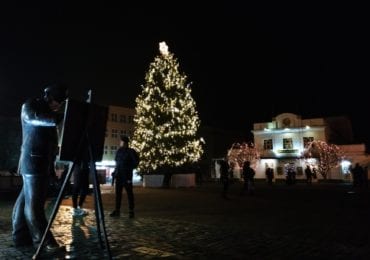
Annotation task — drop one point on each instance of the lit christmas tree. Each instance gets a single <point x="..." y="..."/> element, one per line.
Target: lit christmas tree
<point x="166" y="118"/>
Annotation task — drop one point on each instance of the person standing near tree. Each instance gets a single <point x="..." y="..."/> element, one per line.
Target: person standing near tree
<point x="248" y="176"/>
<point x="127" y="160"/>
<point x="39" y="118"/>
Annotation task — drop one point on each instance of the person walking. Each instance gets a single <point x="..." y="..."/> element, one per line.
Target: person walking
<point x="39" y="118"/>
<point x="127" y="159"/>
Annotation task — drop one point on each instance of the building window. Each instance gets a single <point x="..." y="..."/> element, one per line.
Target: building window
<point x="113" y="117"/>
<point x="306" y="141"/>
<point x="287" y="143"/>
<point x="130" y="119"/>
<point x="122" y="118"/>
<point x="114" y="133"/>
<point x="267" y="144"/>
<point x="113" y="149"/>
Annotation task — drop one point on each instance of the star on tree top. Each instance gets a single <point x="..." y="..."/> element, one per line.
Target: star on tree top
<point x="163" y="48"/>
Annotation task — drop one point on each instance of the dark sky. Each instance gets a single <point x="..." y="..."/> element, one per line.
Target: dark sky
<point x="247" y="63"/>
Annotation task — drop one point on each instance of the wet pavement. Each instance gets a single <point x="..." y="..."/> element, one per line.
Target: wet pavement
<point x="322" y="221"/>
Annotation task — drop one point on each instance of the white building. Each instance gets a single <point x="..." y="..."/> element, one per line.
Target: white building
<point x="282" y="141"/>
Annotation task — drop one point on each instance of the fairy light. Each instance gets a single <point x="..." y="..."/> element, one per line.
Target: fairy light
<point x="329" y="156"/>
<point x="166" y="117"/>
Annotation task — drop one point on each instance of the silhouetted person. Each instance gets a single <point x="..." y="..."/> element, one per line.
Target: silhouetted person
<point x="308" y="173"/>
<point x="39" y="118"/>
<point x="269" y="175"/>
<point x="248" y="176"/>
<point x="357" y="173"/>
<point x="365" y="177"/>
<point x="314" y="173"/>
<point x="291" y="176"/>
<point x="127" y="160"/>
<point x="224" y="177"/>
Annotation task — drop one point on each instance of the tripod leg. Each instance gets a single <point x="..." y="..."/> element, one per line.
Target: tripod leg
<point x="54" y="212"/>
<point x="99" y="213"/>
<point x="96" y="199"/>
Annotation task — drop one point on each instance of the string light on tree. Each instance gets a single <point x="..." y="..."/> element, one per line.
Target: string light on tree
<point x="166" y="118"/>
<point x="329" y="156"/>
<point x="239" y="153"/>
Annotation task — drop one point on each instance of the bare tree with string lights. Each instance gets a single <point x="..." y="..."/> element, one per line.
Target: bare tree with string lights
<point x="328" y="155"/>
<point x="239" y="153"/>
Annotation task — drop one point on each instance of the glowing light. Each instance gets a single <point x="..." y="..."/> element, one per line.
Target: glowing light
<point x="163" y="48"/>
<point x="329" y="155"/>
<point x="166" y="119"/>
<point x="239" y="153"/>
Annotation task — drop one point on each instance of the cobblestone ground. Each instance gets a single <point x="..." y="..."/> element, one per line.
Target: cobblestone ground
<point x="279" y="222"/>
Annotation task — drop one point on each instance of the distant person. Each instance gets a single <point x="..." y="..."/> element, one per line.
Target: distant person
<point x="314" y="173"/>
<point x="357" y="173"/>
<point x="291" y="176"/>
<point x="269" y="175"/>
<point x="224" y="177"/>
<point x="365" y="177"/>
<point x="308" y="173"/>
<point x="39" y="118"/>
<point x="248" y="176"/>
<point x="127" y="160"/>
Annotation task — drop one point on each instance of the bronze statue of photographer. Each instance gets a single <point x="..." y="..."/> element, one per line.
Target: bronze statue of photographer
<point x="39" y="118"/>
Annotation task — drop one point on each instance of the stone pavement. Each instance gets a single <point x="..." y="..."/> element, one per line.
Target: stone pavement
<point x="322" y="221"/>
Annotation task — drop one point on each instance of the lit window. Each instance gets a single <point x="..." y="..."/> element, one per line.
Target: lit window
<point x="287" y="143"/>
<point x="267" y="144"/>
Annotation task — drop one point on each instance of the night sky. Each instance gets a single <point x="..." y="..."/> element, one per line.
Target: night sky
<point x="247" y="63"/>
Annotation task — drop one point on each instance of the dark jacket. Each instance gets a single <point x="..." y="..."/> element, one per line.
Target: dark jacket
<point x="127" y="160"/>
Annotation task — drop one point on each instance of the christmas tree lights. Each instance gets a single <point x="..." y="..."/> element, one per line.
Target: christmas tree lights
<point x="166" y="117"/>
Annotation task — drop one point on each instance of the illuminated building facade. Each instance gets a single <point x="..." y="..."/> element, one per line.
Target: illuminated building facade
<point x="282" y="142"/>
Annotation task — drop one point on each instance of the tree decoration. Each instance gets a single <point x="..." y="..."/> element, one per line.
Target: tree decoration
<point x="166" y="117"/>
